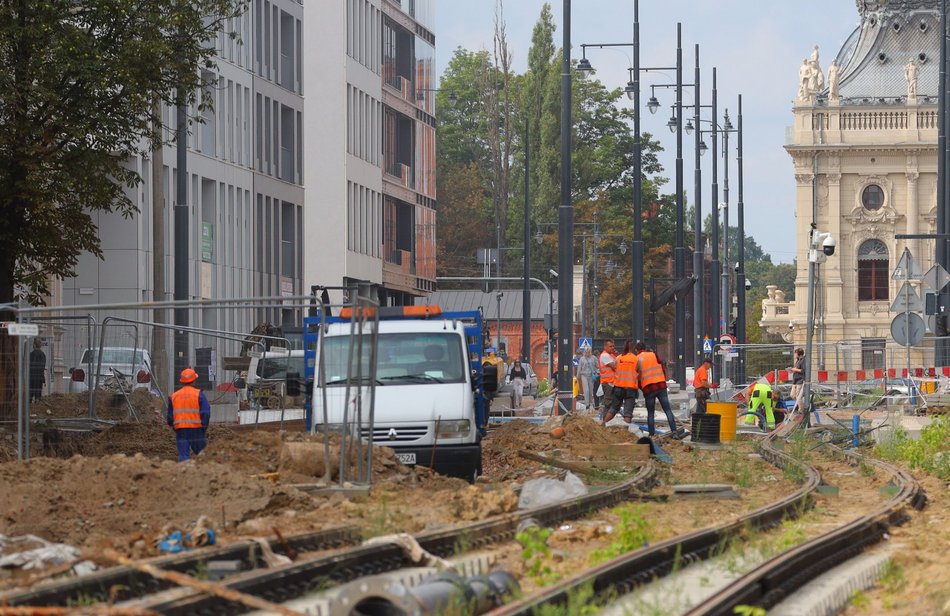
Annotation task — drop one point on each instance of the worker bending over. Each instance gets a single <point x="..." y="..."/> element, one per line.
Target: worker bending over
<point x="189" y="413"/>
<point x="762" y="401"/>
<point x="701" y="384"/>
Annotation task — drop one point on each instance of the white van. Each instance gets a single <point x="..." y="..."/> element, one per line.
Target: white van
<point x="426" y="389"/>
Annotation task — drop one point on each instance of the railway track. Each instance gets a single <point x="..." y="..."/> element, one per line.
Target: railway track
<point x="769" y="582"/>
<point x="135" y="589"/>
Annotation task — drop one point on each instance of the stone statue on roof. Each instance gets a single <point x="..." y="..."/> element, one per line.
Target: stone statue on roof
<point x="910" y="73"/>
<point x="834" y="75"/>
<point x="810" y="78"/>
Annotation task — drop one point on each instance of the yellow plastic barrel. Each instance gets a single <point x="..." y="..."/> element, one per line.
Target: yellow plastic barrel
<point x="727" y="425"/>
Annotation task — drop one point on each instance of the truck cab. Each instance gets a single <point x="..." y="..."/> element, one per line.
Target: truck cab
<point x="426" y="385"/>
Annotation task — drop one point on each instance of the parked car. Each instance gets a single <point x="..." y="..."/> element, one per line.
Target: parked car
<point x="530" y="385"/>
<point x="133" y="366"/>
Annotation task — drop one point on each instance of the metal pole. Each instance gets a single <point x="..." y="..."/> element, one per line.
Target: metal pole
<point x="726" y="305"/>
<point x="526" y="292"/>
<point x="584" y="303"/>
<point x="594" y="289"/>
<point x="740" y="275"/>
<point x="943" y="347"/>
<point x="636" y="256"/>
<point x="810" y="333"/>
<point x="181" y="238"/>
<point x="699" y="321"/>
<point x="679" y="332"/>
<point x="565" y="349"/>
<point x="715" y="271"/>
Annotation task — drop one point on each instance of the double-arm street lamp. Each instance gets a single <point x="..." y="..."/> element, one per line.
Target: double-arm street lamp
<point x="633" y="92"/>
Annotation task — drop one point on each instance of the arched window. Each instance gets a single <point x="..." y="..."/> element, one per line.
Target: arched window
<point x="872" y="271"/>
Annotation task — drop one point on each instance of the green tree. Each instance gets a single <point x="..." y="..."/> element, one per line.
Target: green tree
<point x="77" y="86"/>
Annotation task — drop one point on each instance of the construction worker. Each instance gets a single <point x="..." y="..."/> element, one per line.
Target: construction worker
<point x="701" y="384"/>
<point x="652" y="377"/>
<point x="608" y="369"/>
<point x="625" y="385"/>
<point x="189" y="413"/>
<point x="762" y="401"/>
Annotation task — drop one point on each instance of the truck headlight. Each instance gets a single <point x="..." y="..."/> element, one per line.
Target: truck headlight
<point x="454" y="429"/>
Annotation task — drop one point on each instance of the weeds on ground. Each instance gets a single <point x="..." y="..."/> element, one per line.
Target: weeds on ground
<point x="82" y="600"/>
<point x="866" y="469"/>
<point x="859" y="600"/>
<point x="748" y="610"/>
<point x="463" y="543"/>
<point x="633" y="531"/>
<point x="581" y="601"/>
<point x="798" y="449"/>
<point x="200" y="572"/>
<point x="383" y="521"/>
<point x="535" y="555"/>
<point x="931" y="452"/>
<point x="737" y="468"/>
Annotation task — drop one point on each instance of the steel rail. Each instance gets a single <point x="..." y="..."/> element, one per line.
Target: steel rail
<point x="780" y="576"/>
<point x="636" y="568"/>
<point x="302" y="577"/>
<point x="131" y="582"/>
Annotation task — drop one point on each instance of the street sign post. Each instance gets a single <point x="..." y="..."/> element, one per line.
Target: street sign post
<point x="908" y="328"/>
<point x="23" y="329"/>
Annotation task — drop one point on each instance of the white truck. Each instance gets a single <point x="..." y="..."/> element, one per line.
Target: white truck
<point x="429" y="386"/>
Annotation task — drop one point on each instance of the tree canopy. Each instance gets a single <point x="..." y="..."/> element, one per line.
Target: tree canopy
<point x="77" y="86"/>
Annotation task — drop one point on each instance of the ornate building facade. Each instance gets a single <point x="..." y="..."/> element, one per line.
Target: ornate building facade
<point x="864" y="150"/>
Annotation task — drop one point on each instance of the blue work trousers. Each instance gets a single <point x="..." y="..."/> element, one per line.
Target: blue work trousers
<point x="189" y="440"/>
<point x="664" y="398"/>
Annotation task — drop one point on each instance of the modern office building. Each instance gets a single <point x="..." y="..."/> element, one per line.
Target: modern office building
<point x="245" y="187"/>
<point x="369" y="161"/>
<point x="864" y="151"/>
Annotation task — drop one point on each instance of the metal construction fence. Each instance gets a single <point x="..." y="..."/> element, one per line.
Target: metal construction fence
<point x="87" y="358"/>
<point x="848" y="367"/>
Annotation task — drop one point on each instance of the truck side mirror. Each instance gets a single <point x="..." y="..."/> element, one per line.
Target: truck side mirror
<point x="293" y="384"/>
<point x="490" y="378"/>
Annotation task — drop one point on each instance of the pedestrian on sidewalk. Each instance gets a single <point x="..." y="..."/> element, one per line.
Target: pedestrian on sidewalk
<point x="586" y="368"/>
<point x="518" y="375"/>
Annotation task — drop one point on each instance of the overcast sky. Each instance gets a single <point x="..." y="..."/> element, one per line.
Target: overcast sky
<point x="757" y="47"/>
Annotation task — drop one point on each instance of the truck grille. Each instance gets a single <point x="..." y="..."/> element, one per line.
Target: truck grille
<point x="402" y="434"/>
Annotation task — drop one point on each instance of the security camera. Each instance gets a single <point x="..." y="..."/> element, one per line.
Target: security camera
<point x="553" y="273"/>
<point x="736" y="268"/>
<point x="828" y="245"/>
<point x="748" y="284"/>
<point x="791" y="325"/>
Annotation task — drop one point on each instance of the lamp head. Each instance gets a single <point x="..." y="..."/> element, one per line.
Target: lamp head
<point x="623" y="247"/>
<point x="672" y="124"/>
<point x="630" y="90"/>
<point x="584" y="66"/>
<point x="689" y="127"/>
<point x="653" y="105"/>
<point x="702" y="148"/>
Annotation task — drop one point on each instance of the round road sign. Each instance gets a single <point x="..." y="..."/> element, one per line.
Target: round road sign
<point x="908" y="328"/>
<point x="725" y="342"/>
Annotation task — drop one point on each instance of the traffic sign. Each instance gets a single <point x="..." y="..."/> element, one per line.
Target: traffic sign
<point x="936" y="277"/>
<point x="707" y="346"/>
<point x="23" y="329"/>
<point x="586" y="343"/>
<point x="907" y="268"/>
<point x="725" y="342"/>
<point x="908" y="328"/>
<point x="907" y="300"/>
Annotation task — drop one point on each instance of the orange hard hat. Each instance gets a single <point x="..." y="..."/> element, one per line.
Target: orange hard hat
<point x="188" y="376"/>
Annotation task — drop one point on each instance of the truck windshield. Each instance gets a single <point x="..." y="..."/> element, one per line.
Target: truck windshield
<point x="406" y="358"/>
<point x="278" y="367"/>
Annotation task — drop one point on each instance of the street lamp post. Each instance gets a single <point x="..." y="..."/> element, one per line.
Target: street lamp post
<point x="679" y="253"/>
<point x="715" y="266"/>
<point x="525" y="292"/>
<point x="699" y="328"/>
<point x="565" y="354"/>
<point x="740" y="274"/>
<point x="724" y="286"/>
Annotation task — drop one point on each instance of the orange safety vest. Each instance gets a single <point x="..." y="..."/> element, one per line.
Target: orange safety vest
<point x="702" y="377"/>
<point x="186" y="408"/>
<point x="626" y="371"/>
<point x="607" y="373"/>
<point x="650" y="369"/>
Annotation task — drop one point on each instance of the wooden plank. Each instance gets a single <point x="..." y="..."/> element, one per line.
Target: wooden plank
<point x="577" y="467"/>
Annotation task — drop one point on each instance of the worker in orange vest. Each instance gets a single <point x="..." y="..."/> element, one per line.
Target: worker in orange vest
<point x="652" y="377"/>
<point x="608" y="368"/>
<point x="189" y="413"/>
<point x="701" y="384"/>
<point x="625" y="384"/>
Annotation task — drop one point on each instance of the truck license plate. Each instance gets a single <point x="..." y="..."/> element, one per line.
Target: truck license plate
<point x="406" y="458"/>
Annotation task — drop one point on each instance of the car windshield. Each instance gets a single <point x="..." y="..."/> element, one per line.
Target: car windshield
<point x="407" y="358"/>
<point x="114" y="356"/>
<point x="278" y="367"/>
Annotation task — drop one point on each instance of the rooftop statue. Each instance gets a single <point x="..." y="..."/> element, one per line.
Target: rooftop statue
<point x="910" y="73"/>
<point x="810" y="78"/>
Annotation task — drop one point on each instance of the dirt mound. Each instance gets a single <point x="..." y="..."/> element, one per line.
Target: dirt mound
<point x="109" y="406"/>
<point x="500" y="448"/>
<point x="91" y="501"/>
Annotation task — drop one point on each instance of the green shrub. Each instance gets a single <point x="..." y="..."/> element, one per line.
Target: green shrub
<point x="931" y="452"/>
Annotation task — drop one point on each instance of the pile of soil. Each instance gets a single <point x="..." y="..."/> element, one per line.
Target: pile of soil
<point x="500" y="459"/>
<point x="109" y="406"/>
